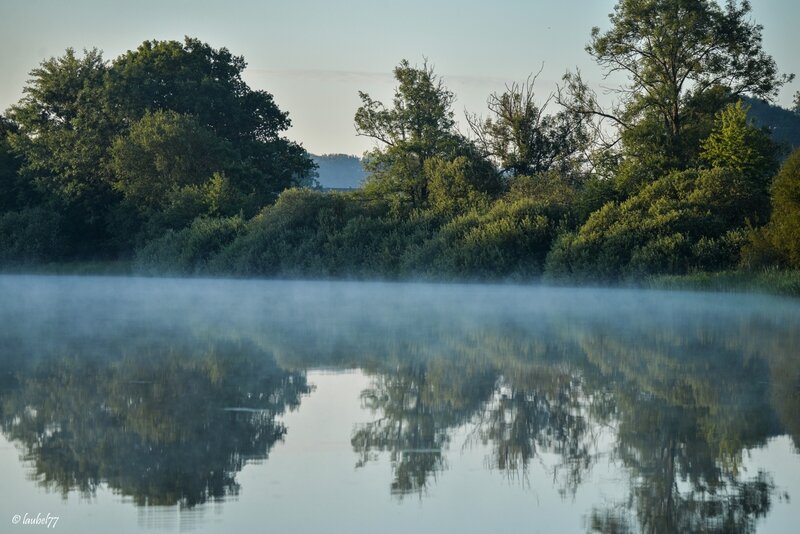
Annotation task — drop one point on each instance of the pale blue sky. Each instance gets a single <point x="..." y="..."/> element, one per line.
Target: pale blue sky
<point x="314" y="55"/>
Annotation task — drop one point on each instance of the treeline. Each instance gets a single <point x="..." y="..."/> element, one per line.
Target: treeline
<point x="166" y="156"/>
<point x="100" y="157"/>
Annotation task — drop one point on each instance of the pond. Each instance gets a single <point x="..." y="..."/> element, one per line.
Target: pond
<point x="143" y="404"/>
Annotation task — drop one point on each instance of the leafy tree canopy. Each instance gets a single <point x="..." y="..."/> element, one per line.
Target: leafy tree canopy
<point x="419" y="126"/>
<point x="684" y="60"/>
<point x="784" y="227"/>
<point x="78" y="111"/>
<point x="523" y="140"/>
<point x="193" y="78"/>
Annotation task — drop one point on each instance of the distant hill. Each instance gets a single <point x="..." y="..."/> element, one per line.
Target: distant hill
<point x="783" y="123"/>
<point x="339" y="171"/>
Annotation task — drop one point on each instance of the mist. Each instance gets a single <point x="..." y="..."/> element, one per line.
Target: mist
<point x="181" y="395"/>
<point x="43" y="313"/>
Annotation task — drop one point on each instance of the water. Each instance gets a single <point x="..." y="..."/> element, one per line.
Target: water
<point x="131" y="405"/>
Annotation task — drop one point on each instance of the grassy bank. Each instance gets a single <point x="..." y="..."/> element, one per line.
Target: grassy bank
<point x="776" y="282"/>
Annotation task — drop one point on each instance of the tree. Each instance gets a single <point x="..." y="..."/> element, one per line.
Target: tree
<point x="419" y="126"/>
<point x="15" y="192"/>
<point x="171" y="169"/>
<point x="784" y="226"/>
<point x="684" y="59"/>
<point x="796" y="107"/>
<point x="522" y="139"/>
<point x="737" y="144"/>
<point x="195" y="79"/>
<point x="686" y="220"/>
<point x="75" y="108"/>
<point x="163" y="152"/>
<point x="61" y="137"/>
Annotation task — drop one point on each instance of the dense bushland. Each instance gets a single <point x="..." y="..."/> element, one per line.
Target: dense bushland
<point x="166" y="157"/>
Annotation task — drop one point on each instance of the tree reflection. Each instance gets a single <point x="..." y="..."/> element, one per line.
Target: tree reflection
<point x="674" y="394"/>
<point x="419" y="406"/>
<point x="541" y="411"/>
<point x="677" y="404"/>
<point x="688" y="405"/>
<point x="172" y="424"/>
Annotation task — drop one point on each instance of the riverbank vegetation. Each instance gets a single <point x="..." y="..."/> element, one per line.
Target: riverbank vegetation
<point x="166" y="159"/>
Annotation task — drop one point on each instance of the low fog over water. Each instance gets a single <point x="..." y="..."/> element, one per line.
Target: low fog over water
<point x="52" y="310"/>
<point x="579" y="409"/>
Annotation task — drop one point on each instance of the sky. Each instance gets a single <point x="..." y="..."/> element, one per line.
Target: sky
<point x="315" y="55"/>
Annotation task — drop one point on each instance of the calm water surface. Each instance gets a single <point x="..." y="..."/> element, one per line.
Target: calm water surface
<point x="131" y="405"/>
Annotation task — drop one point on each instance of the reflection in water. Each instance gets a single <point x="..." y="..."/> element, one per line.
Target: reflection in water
<point x="169" y="425"/>
<point x="542" y="411"/>
<point x="418" y="407"/>
<point x="169" y="398"/>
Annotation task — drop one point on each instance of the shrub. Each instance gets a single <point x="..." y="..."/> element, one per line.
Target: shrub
<point x="684" y="221"/>
<point x="292" y="236"/>
<point x="758" y="252"/>
<point x="510" y="239"/>
<point x="30" y="235"/>
<point x="188" y="250"/>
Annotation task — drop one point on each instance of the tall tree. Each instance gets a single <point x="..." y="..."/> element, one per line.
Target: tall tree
<point x="523" y="139"/>
<point x="684" y="60"/>
<point x="196" y="79"/>
<point x="418" y="127"/>
<point x="62" y="134"/>
<point x="75" y="108"/>
<point x="192" y="78"/>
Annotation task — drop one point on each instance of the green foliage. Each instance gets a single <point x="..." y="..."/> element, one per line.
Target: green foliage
<point x="311" y="233"/>
<point x="594" y="193"/>
<point x="682" y="222"/>
<point x="455" y="186"/>
<point x="62" y="136"/>
<point x="736" y="144"/>
<point x="419" y="126"/>
<point x="293" y="236"/>
<point x="192" y="78"/>
<point x="690" y="220"/>
<point x="187" y="251"/>
<point x="784" y="226"/>
<point x="684" y="60"/>
<point x="511" y="239"/>
<point x="167" y="154"/>
<point x="759" y="252"/>
<point x="15" y="191"/>
<point x="103" y="142"/>
<point x="164" y="152"/>
<point x="648" y="150"/>
<point x="29" y="236"/>
<point x="523" y="140"/>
